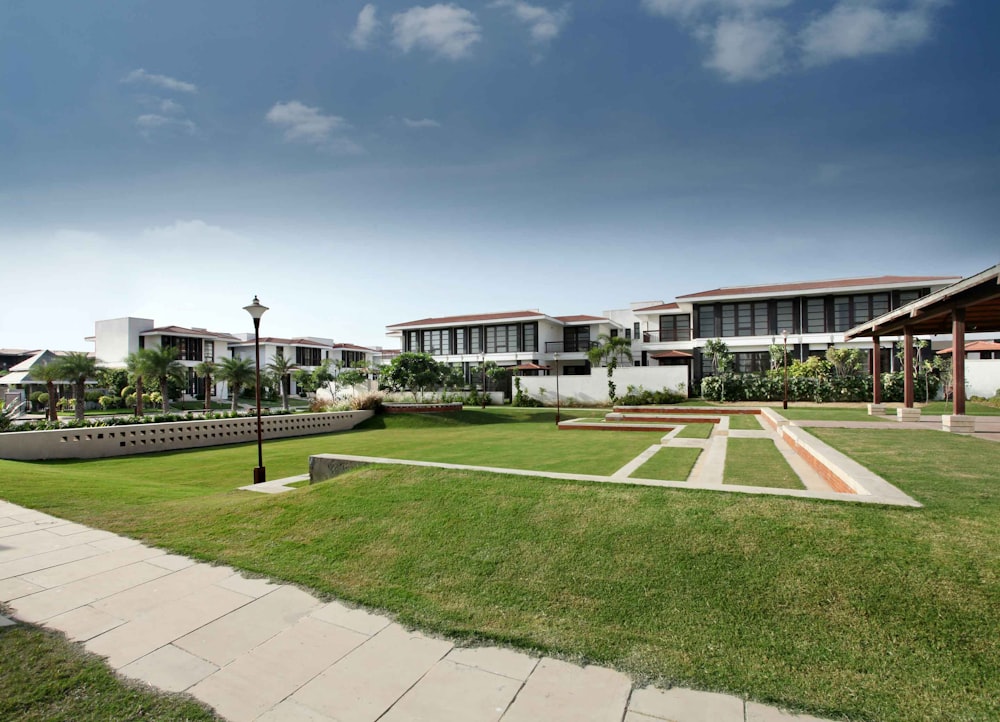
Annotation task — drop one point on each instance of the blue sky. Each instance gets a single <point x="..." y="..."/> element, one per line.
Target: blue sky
<point x="362" y="164"/>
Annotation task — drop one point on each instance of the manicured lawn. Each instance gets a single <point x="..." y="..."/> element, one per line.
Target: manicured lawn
<point x="757" y="462"/>
<point x="696" y="431"/>
<point x="971" y="408"/>
<point x="745" y="422"/>
<point x="671" y="463"/>
<point x="45" y="677"/>
<point x="832" y="413"/>
<point x="848" y="610"/>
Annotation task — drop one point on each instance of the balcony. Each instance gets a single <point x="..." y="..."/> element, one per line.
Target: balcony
<point x="671" y="337"/>
<point x="562" y="347"/>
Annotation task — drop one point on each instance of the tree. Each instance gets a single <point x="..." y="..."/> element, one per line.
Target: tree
<point x="49" y="373"/>
<point x="846" y="361"/>
<point x="238" y="373"/>
<point x="137" y="366"/>
<point x="717" y="350"/>
<point x="206" y="369"/>
<point x="76" y="367"/>
<point x="112" y="380"/>
<point x="412" y="371"/>
<point x="162" y="364"/>
<point x="610" y="350"/>
<point x="282" y="368"/>
<point x="323" y="376"/>
<point x="353" y="376"/>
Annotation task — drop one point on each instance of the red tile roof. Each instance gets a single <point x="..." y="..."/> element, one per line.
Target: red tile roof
<point x="580" y="319"/>
<point x="444" y="320"/>
<point x="285" y="342"/>
<point x="352" y="347"/>
<point x="671" y="354"/>
<point x="974" y="346"/>
<point x="659" y="307"/>
<point x="816" y="285"/>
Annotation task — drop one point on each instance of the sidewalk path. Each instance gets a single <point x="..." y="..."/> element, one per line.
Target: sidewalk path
<point x="260" y="651"/>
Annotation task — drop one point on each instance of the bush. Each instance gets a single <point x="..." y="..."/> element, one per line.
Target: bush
<point x="367" y="402"/>
<point x="771" y="387"/>
<point x="108" y="402"/>
<point x="128" y="391"/>
<point x="638" y="396"/>
<point x="92" y="396"/>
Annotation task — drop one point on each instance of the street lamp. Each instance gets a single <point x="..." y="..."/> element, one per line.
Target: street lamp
<point x="256" y="311"/>
<point x="482" y="370"/>
<point x="555" y="356"/>
<point x="784" y="401"/>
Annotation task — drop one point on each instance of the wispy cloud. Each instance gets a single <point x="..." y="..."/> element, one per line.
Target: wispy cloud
<point x="365" y="28"/>
<point x="853" y="29"/>
<point x="152" y="122"/>
<point x="543" y="24"/>
<point x="747" y="48"/>
<point x="304" y="124"/>
<point x="423" y="123"/>
<point x="750" y="40"/>
<point x="162" y="81"/>
<point x="448" y="31"/>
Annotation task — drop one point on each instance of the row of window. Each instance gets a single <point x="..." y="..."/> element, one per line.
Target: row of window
<point x="503" y="338"/>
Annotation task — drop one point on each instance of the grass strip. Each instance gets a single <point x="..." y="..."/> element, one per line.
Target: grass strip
<point x="43" y="676"/>
<point x="696" y="431"/>
<point x="744" y="422"/>
<point x="670" y="463"/>
<point x="757" y="462"/>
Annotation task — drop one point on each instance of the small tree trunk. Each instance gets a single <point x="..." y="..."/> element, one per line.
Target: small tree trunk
<point x="139" y="410"/>
<point x="51" y="412"/>
<point x="78" y="405"/>
<point x="164" y="399"/>
<point x="283" y="383"/>
<point x="236" y="394"/>
<point x="208" y="393"/>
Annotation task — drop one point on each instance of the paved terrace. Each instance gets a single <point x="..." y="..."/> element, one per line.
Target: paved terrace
<point x="254" y="650"/>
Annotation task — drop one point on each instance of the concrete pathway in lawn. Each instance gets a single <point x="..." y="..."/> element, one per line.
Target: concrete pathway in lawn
<point x="254" y="650"/>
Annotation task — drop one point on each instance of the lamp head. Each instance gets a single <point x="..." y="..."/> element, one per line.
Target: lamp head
<point x="784" y="334"/>
<point x="255" y="309"/>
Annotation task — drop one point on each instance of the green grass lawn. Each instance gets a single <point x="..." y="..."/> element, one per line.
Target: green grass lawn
<point x="696" y="431"/>
<point x="971" y="409"/>
<point x="832" y="413"/>
<point x="745" y="422"/>
<point x="670" y="463"/>
<point x="841" y="610"/>
<point x="45" y="677"/>
<point x="757" y="462"/>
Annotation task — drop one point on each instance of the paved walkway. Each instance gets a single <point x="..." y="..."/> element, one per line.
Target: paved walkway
<point x="260" y="651"/>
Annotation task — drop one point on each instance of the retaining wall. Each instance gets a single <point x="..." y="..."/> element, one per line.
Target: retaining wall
<point x="97" y="442"/>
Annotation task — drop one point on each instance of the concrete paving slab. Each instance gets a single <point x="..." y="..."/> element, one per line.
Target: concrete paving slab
<point x="256" y="682"/>
<point x="631" y="716"/>
<point x="169" y="668"/>
<point x="84" y="623"/>
<point x="561" y="692"/>
<point x="166" y="589"/>
<point x="37" y="562"/>
<point x="292" y="711"/>
<point x="173" y="562"/>
<point x="236" y="582"/>
<point x="505" y="662"/>
<point x="70" y="528"/>
<point x="355" y="619"/>
<point x="58" y="600"/>
<point x="117" y="542"/>
<point x="6" y="622"/>
<point x="686" y="705"/>
<point x="30" y="543"/>
<point x="223" y="640"/>
<point x="369" y="680"/>
<point x="13" y="588"/>
<point x="90" y="565"/>
<point x="452" y="692"/>
<point x="756" y="712"/>
<point x="7" y="521"/>
<point x="163" y="625"/>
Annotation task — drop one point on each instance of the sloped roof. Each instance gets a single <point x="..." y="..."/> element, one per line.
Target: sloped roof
<point x="352" y="347"/>
<point x="284" y="342"/>
<point x="659" y="307"/>
<point x="820" y="285"/>
<point x="181" y="331"/>
<point x="444" y="320"/>
<point x="973" y="346"/>
<point x="581" y="319"/>
<point x="671" y="354"/>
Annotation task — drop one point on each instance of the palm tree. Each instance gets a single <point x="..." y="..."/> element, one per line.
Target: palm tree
<point x="610" y="350"/>
<point x="237" y="372"/>
<point x="49" y="373"/>
<point x="206" y="369"/>
<point x="162" y="364"/>
<point x="76" y="367"/>
<point x="137" y="364"/>
<point x="282" y="367"/>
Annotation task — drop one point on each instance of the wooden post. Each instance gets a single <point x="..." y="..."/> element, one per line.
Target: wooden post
<point x="908" y="379"/>
<point x="958" y="360"/>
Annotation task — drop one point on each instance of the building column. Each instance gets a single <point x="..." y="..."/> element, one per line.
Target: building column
<point x="908" y="379"/>
<point x="876" y="371"/>
<point x="958" y="359"/>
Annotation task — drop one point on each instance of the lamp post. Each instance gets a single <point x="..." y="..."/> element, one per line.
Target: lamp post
<point x="555" y="356"/>
<point x="784" y="400"/>
<point x="256" y="311"/>
<point x="482" y="370"/>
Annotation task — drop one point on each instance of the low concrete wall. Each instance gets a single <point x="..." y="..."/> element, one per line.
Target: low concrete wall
<point x="593" y="389"/>
<point x="97" y="442"/>
<point x="982" y="377"/>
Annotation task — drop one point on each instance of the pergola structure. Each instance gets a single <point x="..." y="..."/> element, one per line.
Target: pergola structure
<point x="972" y="304"/>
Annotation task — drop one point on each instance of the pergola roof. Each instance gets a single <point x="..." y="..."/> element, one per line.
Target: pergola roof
<point x="978" y="295"/>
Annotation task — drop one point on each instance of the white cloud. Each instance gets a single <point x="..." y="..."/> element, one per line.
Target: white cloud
<point x="304" y="123"/>
<point x="365" y="28"/>
<point x="747" y="48"/>
<point x="152" y="122"/>
<point x="162" y="81"/>
<point x="423" y="123"/>
<point x="543" y="24"/>
<point x="445" y="30"/>
<point x="853" y="29"/>
<point x="688" y="9"/>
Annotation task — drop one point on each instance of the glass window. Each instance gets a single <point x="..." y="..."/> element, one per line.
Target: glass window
<point x="815" y="315"/>
<point x="628" y="334"/>
<point x="308" y="356"/>
<point x="530" y="337"/>
<point x="460" y="346"/>
<point x="862" y="310"/>
<point x="880" y="304"/>
<point x="744" y="321"/>
<point x="210" y="350"/>
<point x="784" y="317"/>
<point x="706" y="322"/>
<point x="636" y="330"/>
<point x="841" y="313"/>
<point x="728" y="319"/>
<point x="675" y="328"/>
<point x="760" y="318"/>
<point x="475" y="339"/>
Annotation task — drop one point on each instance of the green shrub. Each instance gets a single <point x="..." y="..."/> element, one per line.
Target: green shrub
<point x="638" y="396"/>
<point x="92" y="396"/>
<point x="367" y="402"/>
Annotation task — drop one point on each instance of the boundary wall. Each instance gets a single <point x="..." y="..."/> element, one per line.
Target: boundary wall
<point x="98" y="442"/>
<point x="593" y="389"/>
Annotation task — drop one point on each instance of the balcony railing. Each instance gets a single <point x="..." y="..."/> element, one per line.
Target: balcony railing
<point x="657" y="337"/>
<point x="562" y="347"/>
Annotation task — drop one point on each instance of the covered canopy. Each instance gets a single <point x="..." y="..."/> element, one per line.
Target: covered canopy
<point x="671" y="354"/>
<point x="531" y="367"/>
